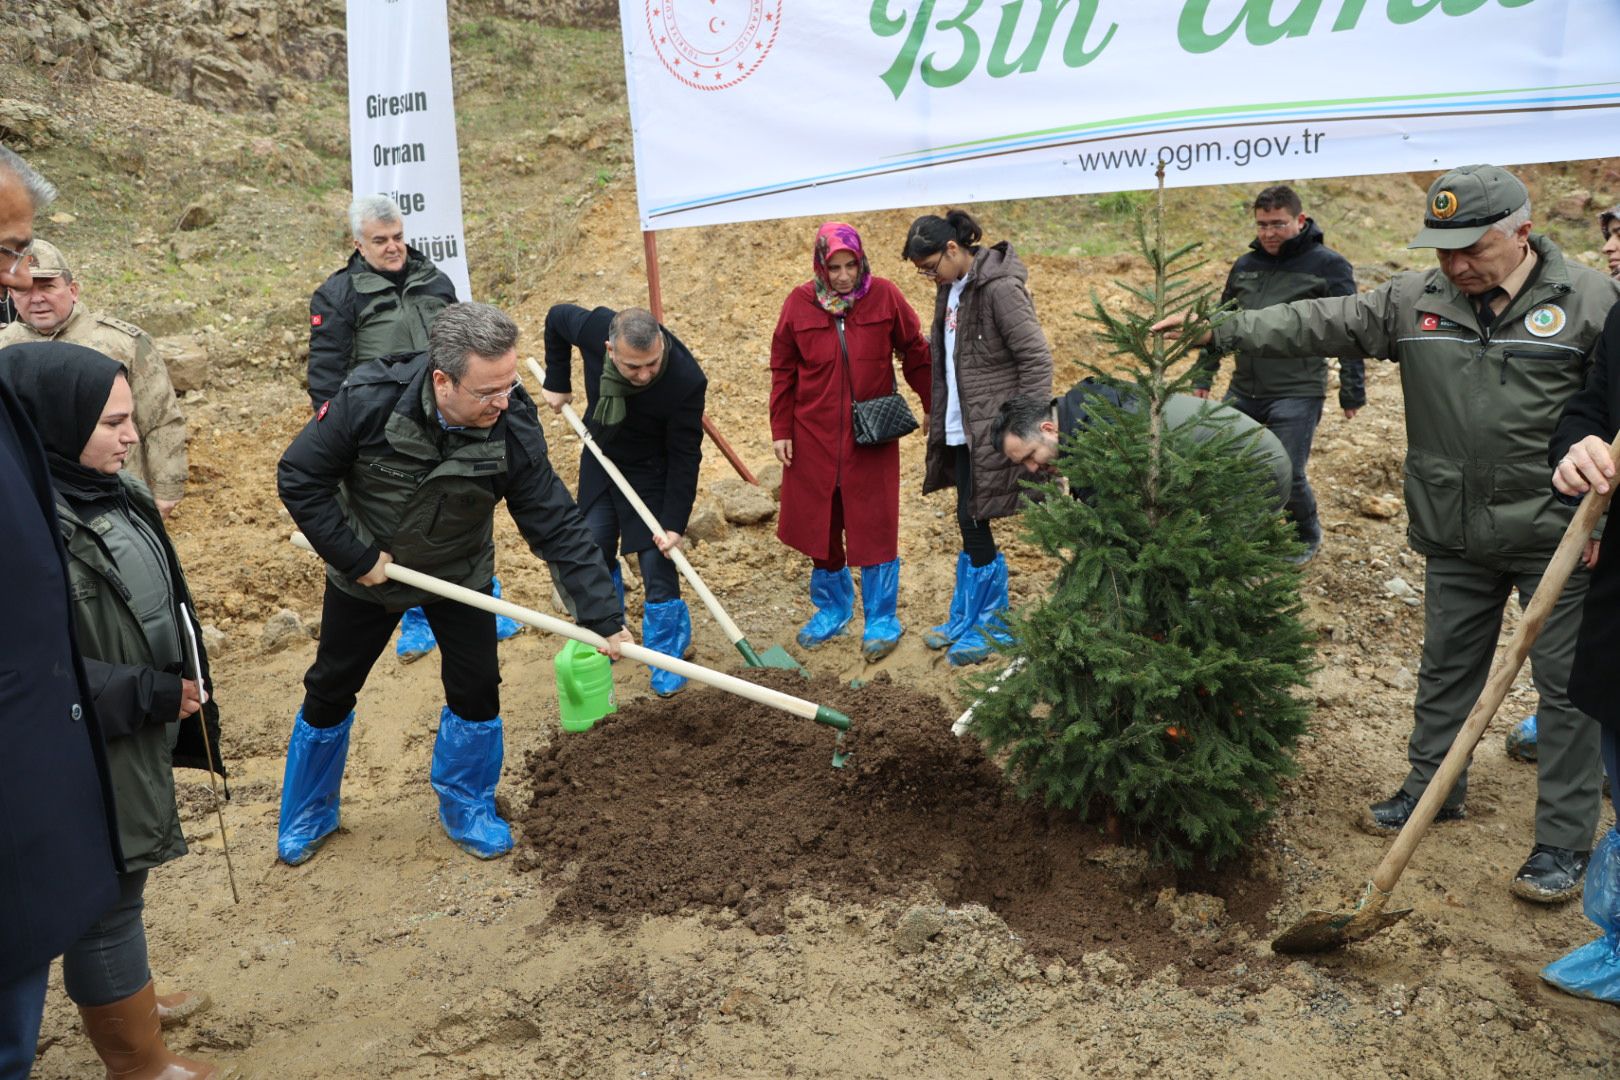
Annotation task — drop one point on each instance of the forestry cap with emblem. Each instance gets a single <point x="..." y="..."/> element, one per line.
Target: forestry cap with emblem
<point x="45" y="260"/>
<point x="1466" y="202"/>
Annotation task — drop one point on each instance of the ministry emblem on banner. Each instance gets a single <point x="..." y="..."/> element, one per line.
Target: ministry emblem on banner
<point x="713" y="44"/>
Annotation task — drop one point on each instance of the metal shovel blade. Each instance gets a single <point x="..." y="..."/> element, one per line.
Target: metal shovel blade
<point x="778" y="657"/>
<point x="1323" y="931"/>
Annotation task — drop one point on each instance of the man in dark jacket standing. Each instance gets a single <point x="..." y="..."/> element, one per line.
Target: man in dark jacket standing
<point x="1582" y="463"/>
<point x="1491" y="345"/>
<point x="408" y="461"/>
<point x="1288" y="260"/>
<point x="644" y="394"/>
<point x="58" y="856"/>
<point x="380" y="304"/>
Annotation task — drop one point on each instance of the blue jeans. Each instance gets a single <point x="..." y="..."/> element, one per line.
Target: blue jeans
<point x="1293" y="420"/>
<point x="22" y="1003"/>
<point x="660" y="579"/>
<point x="108" y="962"/>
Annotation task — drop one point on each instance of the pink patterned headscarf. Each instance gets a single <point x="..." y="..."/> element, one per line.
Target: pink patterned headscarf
<point x="831" y="238"/>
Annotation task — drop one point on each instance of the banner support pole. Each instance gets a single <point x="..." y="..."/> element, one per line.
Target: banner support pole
<point x="655" y="303"/>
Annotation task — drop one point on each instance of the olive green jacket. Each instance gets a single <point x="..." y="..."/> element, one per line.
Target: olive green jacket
<point x="134" y="702"/>
<point x="1480" y="405"/>
<point x="375" y="470"/>
<point x="358" y="315"/>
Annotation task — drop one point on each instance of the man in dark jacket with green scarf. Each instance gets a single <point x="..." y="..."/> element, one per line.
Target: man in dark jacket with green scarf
<point x="645" y="395"/>
<point x="408" y="461"/>
<point x="1288" y="260"/>
<point x="1491" y="345"/>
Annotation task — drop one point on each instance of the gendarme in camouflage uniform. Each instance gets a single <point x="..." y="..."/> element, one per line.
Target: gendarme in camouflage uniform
<point x="160" y="459"/>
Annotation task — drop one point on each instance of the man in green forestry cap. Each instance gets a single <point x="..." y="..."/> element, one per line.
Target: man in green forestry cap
<point x="1491" y="343"/>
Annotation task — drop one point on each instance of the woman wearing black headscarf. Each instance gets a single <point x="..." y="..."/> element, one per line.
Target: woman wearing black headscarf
<point x="127" y="589"/>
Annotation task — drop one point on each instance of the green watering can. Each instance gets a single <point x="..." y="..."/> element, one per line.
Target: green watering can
<point x="584" y="686"/>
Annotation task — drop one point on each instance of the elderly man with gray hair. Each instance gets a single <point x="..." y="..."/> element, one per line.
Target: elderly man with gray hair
<point x="380" y="304"/>
<point x="408" y="460"/>
<point x="1492" y="343"/>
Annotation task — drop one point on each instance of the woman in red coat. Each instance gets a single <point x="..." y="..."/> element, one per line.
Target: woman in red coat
<point x="840" y="501"/>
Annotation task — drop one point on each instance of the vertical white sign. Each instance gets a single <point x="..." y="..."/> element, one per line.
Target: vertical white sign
<point x="402" y="123"/>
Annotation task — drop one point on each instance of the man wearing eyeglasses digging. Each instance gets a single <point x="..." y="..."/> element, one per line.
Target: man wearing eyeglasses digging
<point x="407" y="462"/>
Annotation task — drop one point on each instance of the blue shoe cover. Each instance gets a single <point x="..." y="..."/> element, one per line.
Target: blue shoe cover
<point x="956" y="622"/>
<point x="987" y="601"/>
<point x="466" y="768"/>
<point x="310" y="788"/>
<point x="505" y="626"/>
<point x="1521" y="741"/>
<point x="666" y="627"/>
<point x="833" y="594"/>
<point x="880" y="592"/>
<point x="415" y="636"/>
<point x="1593" y="970"/>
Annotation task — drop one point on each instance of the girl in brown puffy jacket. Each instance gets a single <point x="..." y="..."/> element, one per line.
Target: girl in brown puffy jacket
<point x="987" y="346"/>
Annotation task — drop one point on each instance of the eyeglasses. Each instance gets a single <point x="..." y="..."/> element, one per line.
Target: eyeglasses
<point x="932" y="271"/>
<point x="1272" y="226"/>
<point x="16" y="257"/>
<point x="493" y="395"/>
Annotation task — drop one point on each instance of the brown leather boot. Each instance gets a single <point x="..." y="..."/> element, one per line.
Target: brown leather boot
<point x="182" y="1005"/>
<point x="129" y="1041"/>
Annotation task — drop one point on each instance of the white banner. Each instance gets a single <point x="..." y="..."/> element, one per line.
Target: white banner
<point x="402" y="123"/>
<point x="748" y="109"/>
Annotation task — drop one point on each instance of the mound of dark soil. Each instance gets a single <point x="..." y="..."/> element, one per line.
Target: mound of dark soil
<point x="707" y="801"/>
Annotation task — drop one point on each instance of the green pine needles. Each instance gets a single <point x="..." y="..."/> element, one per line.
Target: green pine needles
<point x="1153" y="686"/>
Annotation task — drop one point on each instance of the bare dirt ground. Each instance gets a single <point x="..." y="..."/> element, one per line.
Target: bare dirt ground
<point x="743" y="935"/>
<point x="391" y="953"/>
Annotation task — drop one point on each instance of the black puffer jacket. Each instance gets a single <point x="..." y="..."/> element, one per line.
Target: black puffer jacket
<point x="1303" y="268"/>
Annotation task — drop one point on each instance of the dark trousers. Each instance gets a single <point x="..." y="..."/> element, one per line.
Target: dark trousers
<point x="108" y="962"/>
<point x="977" y="539"/>
<point x="835" y="559"/>
<point x="22" y="1003"/>
<point x="1610" y="737"/>
<point x="1293" y="420"/>
<point x="1462" y="618"/>
<point x="660" y="580"/>
<point x="354" y="633"/>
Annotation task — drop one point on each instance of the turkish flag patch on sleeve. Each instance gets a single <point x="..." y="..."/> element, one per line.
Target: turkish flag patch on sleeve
<point x="322" y="414"/>
<point x="316" y="320"/>
<point x="1429" y="322"/>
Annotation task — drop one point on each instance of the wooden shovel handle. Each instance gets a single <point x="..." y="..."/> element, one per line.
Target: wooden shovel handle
<point x="730" y="629"/>
<point x="1496" y="687"/>
<point x="762" y="695"/>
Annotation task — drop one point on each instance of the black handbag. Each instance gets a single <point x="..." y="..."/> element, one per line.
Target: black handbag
<point x="881" y="419"/>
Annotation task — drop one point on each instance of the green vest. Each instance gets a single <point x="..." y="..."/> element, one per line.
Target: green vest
<point x="141" y="765"/>
<point x="425" y="498"/>
<point x="390" y="322"/>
